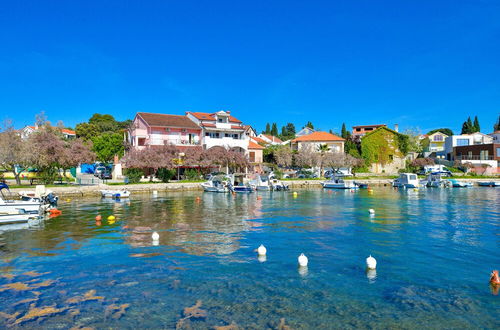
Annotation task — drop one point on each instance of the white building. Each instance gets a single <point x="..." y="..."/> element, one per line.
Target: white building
<point x="221" y="129"/>
<point x="496" y="136"/>
<point x="464" y="140"/>
<point x="28" y="130"/>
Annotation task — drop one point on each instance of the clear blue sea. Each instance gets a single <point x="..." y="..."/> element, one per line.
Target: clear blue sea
<point x="435" y="249"/>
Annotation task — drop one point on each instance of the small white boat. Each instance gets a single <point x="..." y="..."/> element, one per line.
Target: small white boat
<point x="217" y="184"/>
<point x="45" y="197"/>
<point x="406" y="180"/>
<point x="337" y="182"/>
<point x="10" y="206"/>
<point x="489" y="183"/>
<point x="261" y="183"/>
<point x="115" y="193"/>
<point x="435" y="181"/>
<point x="17" y="217"/>
<point x="460" y="184"/>
<point x="278" y="185"/>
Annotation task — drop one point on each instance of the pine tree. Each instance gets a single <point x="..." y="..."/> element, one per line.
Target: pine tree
<point x="344" y="131"/>
<point x="268" y="129"/>
<point x="310" y="125"/>
<point x="470" y="126"/>
<point x="330" y="131"/>
<point x="465" y="128"/>
<point x="496" y="127"/>
<point x="284" y="133"/>
<point x="477" y="128"/>
<point x="290" y="128"/>
<point x="274" y="130"/>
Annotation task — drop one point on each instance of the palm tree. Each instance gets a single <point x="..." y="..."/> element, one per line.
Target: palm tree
<point x="323" y="148"/>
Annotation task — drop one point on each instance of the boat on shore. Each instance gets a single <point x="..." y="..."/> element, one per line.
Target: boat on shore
<point x="115" y="193"/>
<point x="338" y="182"/>
<point x="489" y="183"/>
<point x="406" y="180"/>
<point x="278" y="185"/>
<point x="435" y="180"/>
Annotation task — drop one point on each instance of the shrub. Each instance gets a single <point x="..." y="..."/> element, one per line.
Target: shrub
<point x="192" y="174"/>
<point x="48" y="176"/>
<point x="134" y="175"/>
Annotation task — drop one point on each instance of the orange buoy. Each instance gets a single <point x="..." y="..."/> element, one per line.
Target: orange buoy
<point x="125" y="227"/>
<point x="259" y="198"/>
<point x="198" y="199"/>
<point x="494" y="279"/>
<point x="55" y="212"/>
<point x="98" y="218"/>
<point x="98" y="223"/>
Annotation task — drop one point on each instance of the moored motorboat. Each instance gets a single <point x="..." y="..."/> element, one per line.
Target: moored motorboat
<point x="406" y="180"/>
<point x="460" y="184"/>
<point x="337" y="182"/>
<point x="278" y="185"/>
<point x="20" y="217"/>
<point x="489" y="183"/>
<point x="217" y="184"/>
<point x="261" y="183"/>
<point x="10" y="206"/>
<point x="242" y="188"/>
<point x="435" y="181"/>
<point x="115" y="193"/>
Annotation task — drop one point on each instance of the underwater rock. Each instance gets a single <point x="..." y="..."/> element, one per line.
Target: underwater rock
<point x="116" y="311"/>
<point x="28" y="300"/>
<point x="282" y="325"/>
<point x="35" y="313"/>
<point x="16" y="286"/>
<point x="9" y="317"/>
<point x="195" y="311"/>
<point x="87" y="296"/>
<point x="8" y="276"/>
<point x="232" y="326"/>
<point x="43" y="284"/>
<point x="32" y="273"/>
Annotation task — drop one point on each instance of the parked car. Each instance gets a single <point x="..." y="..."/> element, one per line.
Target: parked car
<point x="211" y="175"/>
<point x="305" y="174"/>
<point x="99" y="170"/>
<point x="105" y="175"/>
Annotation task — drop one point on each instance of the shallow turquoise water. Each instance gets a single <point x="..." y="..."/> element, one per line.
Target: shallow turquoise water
<point x="435" y="250"/>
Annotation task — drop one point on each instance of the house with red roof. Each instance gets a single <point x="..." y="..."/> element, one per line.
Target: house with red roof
<point x="316" y="139"/>
<point x="221" y="129"/>
<point x="28" y="130"/>
<point x="270" y="139"/>
<point x="155" y="129"/>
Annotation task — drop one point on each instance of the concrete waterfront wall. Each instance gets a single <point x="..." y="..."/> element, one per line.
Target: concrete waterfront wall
<point x="194" y="186"/>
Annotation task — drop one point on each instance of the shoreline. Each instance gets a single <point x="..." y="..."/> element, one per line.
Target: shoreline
<point x="94" y="190"/>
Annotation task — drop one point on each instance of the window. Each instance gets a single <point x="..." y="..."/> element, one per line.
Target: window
<point x="438" y="138"/>
<point x="484" y="155"/>
<point x="391" y="157"/>
<point x="226" y="135"/>
<point x="498" y="152"/>
<point x="358" y="129"/>
<point x="141" y="141"/>
<point x="369" y="129"/>
<point x="252" y="156"/>
<point x="462" y="142"/>
<point x="236" y="136"/>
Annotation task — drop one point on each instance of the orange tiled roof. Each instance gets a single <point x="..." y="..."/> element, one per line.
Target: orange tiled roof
<point x="273" y="138"/>
<point x="259" y="140"/>
<point x="253" y="145"/>
<point x="211" y="116"/>
<point x="319" y="137"/>
<point x="68" y="131"/>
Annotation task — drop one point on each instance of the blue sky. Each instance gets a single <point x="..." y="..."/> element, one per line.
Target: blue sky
<point x="424" y="64"/>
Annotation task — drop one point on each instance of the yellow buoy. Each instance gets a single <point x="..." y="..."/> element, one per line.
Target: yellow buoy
<point x="68" y="200"/>
<point x="111" y="218"/>
<point x="295" y="194"/>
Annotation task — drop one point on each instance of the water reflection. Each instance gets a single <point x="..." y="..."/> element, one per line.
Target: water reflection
<point x="206" y="252"/>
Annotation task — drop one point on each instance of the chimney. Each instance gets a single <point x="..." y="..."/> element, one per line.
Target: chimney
<point x="396" y="127"/>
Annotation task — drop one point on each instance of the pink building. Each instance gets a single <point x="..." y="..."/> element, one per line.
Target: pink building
<point x="150" y="129"/>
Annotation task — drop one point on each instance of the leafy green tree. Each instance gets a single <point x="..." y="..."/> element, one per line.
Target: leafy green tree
<point x="274" y="130"/>
<point x="107" y="145"/>
<point x="446" y="131"/>
<point x="477" y="128"/>
<point x="310" y="125"/>
<point x="87" y="131"/>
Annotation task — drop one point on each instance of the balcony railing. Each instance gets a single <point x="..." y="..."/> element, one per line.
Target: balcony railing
<point x="474" y="157"/>
<point x="172" y="141"/>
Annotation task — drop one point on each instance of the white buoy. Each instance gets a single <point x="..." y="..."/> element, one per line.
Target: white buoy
<point x="261" y="258"/>
<point x="371" y="262"/>
<point x="155" y="236"/>
<point x="371" y="275"/>
<point x="303" y="261"/>
<point x="262" y="250"/>
<point x="371" y="211"/>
